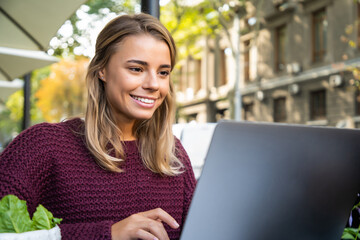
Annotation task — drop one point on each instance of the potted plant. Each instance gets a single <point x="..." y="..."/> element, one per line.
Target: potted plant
<point x="15" y="221"/>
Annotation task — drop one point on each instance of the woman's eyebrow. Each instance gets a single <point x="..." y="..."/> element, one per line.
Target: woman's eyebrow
<point x="138" y="62"/>
<point x="165" y="66"/>
<point x="143" y="63"/>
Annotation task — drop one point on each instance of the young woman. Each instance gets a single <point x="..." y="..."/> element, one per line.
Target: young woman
<point x="120" y="173"/>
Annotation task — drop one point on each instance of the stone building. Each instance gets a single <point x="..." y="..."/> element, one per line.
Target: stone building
<point x="295" y="68"/>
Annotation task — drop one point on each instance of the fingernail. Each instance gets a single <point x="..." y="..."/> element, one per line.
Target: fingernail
<point x="176" y="224"/>
<point x="155" y="238"/>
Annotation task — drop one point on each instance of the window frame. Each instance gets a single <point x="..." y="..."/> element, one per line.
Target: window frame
<point x="280" y="48"/>
<point x="317" y="98"/>
<point x="318" y="18"/>
<point x="223" y="79"/>
<point x="279" y="109"/>
<point x="248" y="110"/>
<point x="198" y="84"/>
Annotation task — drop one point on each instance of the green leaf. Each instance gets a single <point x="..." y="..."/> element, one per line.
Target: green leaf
<point x="347" y="236"/>
<point x="14" y="217"/>
<point x="350" y="233"/>
<point x="56" y="221"/>
<point x="43" y="219"/>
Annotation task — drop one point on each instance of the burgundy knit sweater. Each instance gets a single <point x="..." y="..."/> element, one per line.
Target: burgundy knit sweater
<point x="49" y="164"/>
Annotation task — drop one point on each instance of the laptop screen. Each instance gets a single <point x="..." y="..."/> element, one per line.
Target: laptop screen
<point x="275" y="181"/>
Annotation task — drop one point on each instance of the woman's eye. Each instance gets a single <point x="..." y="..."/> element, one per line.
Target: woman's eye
<point x="164" y="73"/>
<point x="135" y="69"/>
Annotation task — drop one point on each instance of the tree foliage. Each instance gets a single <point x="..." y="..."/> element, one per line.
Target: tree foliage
<point x="188" y="23"/>
<point x="62" y="93"/>
<point x="349" y="39"/>
<point x="11" y="116"/>
<point x="85" y="20"/>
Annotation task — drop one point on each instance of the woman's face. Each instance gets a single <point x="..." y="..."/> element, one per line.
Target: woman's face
<point x="137" y="77"/>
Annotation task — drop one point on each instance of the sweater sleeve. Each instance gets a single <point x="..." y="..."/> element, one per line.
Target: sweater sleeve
<point x="21" y="170"/>
<point x="189" y="177"/>
<point x="26" y="171"/>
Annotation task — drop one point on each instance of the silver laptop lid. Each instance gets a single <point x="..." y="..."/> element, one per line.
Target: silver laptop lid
<point x="275" y="181"/>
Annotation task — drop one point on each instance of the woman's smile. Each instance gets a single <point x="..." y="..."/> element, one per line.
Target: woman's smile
<point x="144" y="101"/>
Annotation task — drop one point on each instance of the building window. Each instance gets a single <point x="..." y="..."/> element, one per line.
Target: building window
<point x="280" y="38"/>
<point x="280" y="109"/>
<point x="221" y="114"/>
<point x="319" y="35"/>
<point x="248" y="111"/>
<point x="357" y="102"/>
<point x="318" y="105"/>
<point x="223" y="80"/>
<point x="191" y="117"/>
<point x="197" y="75"/>
<point x="247" y="61"/>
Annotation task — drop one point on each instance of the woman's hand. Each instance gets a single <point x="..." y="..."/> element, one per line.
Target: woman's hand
<point x="145" y="225"/>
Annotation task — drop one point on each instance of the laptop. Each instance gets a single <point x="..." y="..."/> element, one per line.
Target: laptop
<point x="275" y="181"/>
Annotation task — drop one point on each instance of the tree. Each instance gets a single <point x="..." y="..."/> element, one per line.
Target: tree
<point x="62" y="93"/>
<point x="77" y="35"/>
<point x="11" y="116"/>
<point x="347" y="38"/>
<point x="187" y="24"/>
<point x="214" y="19"/>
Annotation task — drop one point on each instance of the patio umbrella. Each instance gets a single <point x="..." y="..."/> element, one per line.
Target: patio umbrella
<point x="17" y="62"/>
<point x="31" y="24"/>
<point x="7" y="88"/>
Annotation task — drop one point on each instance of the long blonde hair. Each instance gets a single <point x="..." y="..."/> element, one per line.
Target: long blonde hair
<point x="155" y="139"/>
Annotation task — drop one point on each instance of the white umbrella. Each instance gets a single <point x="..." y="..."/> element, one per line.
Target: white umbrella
<point x="7" y="88"/>
<point x="30" y="24"/>
<point x="17" y="62"/>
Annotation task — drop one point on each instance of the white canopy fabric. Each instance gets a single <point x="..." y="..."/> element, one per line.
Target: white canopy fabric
<point x="7" y="88"/>
<point x="31" y="24"/>
<point x="17" y="62"/>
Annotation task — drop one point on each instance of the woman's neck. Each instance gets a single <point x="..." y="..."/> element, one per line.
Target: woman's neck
<point x="127" y="131"/>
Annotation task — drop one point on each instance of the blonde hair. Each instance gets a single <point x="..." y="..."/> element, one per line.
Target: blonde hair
<point x="155" y="139"/>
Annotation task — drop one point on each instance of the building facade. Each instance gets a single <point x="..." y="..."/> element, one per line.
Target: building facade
<point x="297" y="67"/>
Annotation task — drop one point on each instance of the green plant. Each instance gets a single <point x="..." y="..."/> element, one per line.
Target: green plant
<point x="350" y="232"/>
<point x="15" y="218"/>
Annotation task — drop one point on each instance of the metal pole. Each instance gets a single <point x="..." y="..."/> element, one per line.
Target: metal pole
<point x="151" y="7"/>
<point x="27" y="93"/>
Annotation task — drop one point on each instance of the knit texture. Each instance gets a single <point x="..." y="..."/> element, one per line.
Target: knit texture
<point x="49" y="164"/>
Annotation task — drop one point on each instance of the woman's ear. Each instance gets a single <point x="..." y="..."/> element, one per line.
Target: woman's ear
<point x="102" y="75"/>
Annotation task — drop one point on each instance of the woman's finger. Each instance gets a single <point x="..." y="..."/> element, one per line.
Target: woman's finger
<point x="145" y="235"/>
<point x="160" y="214"/>
<point x="156" y="228"/>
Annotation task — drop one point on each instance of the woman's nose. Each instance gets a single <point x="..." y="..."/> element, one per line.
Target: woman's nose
<point x="151" y="81"/>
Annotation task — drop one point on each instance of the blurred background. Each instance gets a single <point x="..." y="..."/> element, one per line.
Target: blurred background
<point x="288" y="61"/>
<point x="292" y="61"/>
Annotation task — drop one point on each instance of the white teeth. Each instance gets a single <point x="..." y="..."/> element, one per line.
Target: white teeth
<point x="144" y="100"/>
